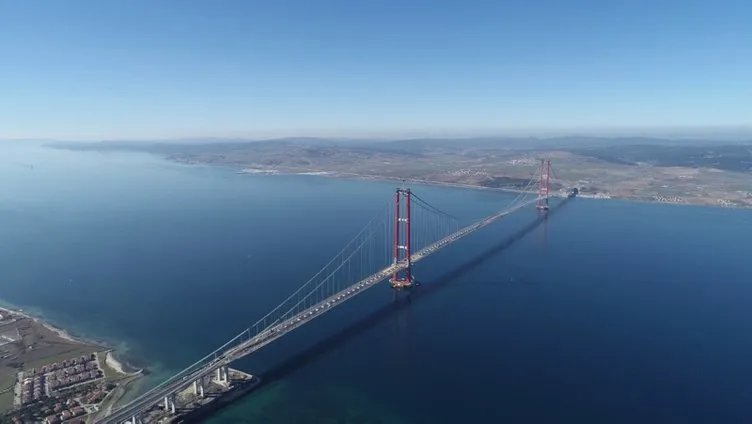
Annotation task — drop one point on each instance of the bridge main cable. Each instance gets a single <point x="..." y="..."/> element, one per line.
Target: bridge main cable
<point x="248" y="333"/>
<point x="266" y="333"/>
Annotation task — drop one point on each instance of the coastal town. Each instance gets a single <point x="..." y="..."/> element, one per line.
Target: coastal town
<point x="47" y="376"/>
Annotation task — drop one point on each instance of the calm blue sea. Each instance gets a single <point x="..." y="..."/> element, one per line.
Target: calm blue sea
<point x="608" y="311"/>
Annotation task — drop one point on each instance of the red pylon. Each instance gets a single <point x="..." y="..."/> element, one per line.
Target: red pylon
<point x="406" y="279"/>
<point x="543" y="188"/>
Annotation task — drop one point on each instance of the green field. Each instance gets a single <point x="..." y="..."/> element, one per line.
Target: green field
<point x="7" y="382"/>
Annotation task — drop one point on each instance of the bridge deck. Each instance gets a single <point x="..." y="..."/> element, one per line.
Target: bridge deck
<point x="279" y="329"/>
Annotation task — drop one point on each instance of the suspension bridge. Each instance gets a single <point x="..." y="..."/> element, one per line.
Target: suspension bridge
<point x="405" y="231"/>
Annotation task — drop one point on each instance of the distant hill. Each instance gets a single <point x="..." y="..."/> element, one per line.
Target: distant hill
<point x="617" y="150"/>
<point x="653" y="169"/>
<point x="408" y="146"/>
<point x="727" y="157"/>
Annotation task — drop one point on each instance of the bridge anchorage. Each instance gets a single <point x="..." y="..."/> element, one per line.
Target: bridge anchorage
<point x="402" y="279"/>
<point x="543" y="185"/>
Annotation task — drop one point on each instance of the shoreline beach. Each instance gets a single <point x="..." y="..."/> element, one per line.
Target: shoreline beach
<point x="48" y="344"/>
<point x="60" y="332"/>
<point x="111" y="351"/>
<point x="112" y="361"/>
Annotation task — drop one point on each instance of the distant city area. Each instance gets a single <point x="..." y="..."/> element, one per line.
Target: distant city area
<point x="644" y="169"/>
<point x="49" y="377"/>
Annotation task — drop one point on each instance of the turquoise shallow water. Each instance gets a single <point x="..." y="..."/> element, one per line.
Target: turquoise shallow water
<point x="608" y="312"/>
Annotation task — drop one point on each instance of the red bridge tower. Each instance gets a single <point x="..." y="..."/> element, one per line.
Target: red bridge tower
<point x="545" y="170"/>
<point x="402" y="240"/>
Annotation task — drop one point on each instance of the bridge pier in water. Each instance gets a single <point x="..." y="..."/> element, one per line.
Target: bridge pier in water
<point x="402" y="240"/>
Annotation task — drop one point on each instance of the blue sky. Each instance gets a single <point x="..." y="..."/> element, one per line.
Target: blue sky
<point x="92" y="69"/>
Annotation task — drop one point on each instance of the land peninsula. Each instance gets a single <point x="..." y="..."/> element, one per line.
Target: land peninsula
<point x="703" y="172"/>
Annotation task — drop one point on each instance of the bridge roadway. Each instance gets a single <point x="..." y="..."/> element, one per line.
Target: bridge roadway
<point x="278" y="329"/>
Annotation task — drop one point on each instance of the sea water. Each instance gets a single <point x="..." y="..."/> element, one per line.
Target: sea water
<point x="608" y="311"/>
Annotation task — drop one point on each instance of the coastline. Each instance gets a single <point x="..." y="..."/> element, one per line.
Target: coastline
<point x="382" y="178"/>
<point x="63" y="334"/>
<point x="366" y="177"/>
<point x="111" y="360"/>
<point x="62" y="345"/>
<point x="113" y="363"/>
<point x="110" y="351"/>
<point x="588" y="196"/>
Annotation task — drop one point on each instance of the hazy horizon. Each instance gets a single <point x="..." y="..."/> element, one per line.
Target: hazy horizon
<point x="731" y="133"/>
